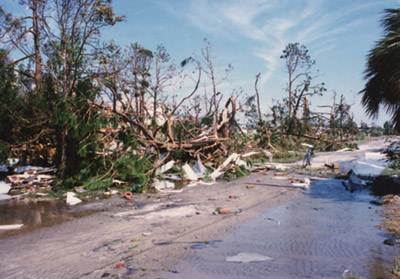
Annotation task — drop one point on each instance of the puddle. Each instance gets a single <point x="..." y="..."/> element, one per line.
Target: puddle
<point x="320" y="235"/>
<point x="34" y="214"/>
<point x="369" y="164"/>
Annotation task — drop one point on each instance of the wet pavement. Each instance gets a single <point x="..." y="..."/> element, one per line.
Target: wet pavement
<point x="323" y="234"/>
<point x="33" y="214"/>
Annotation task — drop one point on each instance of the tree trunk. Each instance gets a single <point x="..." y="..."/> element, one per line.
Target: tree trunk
<point x="36" y="38"/>
<point x="258" y="97"/>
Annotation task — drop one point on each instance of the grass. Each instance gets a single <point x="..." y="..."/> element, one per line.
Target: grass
<point x="287" y="157"/>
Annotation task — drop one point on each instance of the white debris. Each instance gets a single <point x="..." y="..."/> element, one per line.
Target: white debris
<point x="163" y="185"/>
<point x="30" y="168"/>
<point x="172" y="177"/>
<point x="72" y="199"/>
<point x="249" y="154"/>
<point x="231" y="158"/>
<point x="269" y="155"/>
<point x="280" y="167"/>
<point x="248" y="257"/>
<point x="165" y="167"/>
<point x="4" y="188"/>
<point x="216" y="174"/>
<point x="307" y="145"/>
<point x="240" y="162"/>
<point x="305" y="183"/>
<point x="199" y="169"/>
<point x="118" y="182"/>
<point x="189" y="172"/>
<point x="11" y="227"/>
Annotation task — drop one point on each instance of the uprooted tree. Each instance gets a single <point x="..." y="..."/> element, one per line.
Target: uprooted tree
<point x="98" y="111"/>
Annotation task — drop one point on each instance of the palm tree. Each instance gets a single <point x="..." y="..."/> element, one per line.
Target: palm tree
<point x="383" y="71"/>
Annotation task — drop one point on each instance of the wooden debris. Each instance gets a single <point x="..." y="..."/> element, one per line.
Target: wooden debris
<point x="30" y="178"/>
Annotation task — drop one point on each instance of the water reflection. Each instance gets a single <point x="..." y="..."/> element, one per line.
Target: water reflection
<point x="32" y="213"/>
<point x="320" y="235"/>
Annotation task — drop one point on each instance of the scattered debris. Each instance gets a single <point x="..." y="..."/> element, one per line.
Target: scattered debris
<point x="199" y="169"/>
<point x="80" y="189"/>
<point x="273" y="220"/>
<point x="223" y="211"/>
<point x="248" y="257"/>
<point x="119" y="264"/>
<point x="353" y="182"/>
<point x="233" y="196"/>
<point x="119" y="183"/>
<point x="250" y="186"/>
<point x="258" y="180"/>
<point x="392" y="199"/>
<point x="305" y="183"/>
<point x="269" y="155"/>
<point x="307" y="145"/>
<point x="10" y="227"/>
<point x="113" y="243"/>
<point x="165" y="167"/>
<point x="334" y="166"/>
<point x="189" y="173"/>
<point x="389" y="242"/>
<point x="128" y="195"/>
<point x="280" y="167"/>
<point x="72" y="199"/>
<point x="163" y="185"/>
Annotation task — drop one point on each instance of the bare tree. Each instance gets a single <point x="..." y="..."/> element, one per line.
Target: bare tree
<point x="258" y="97"/>
<point x="209" y="70"/>
<point x="16" y="31"/>
<point x="298" y="65"/>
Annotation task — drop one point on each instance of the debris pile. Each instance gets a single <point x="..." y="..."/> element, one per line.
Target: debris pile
<point x="168" y="180"/>
<point x="32" y="179"/>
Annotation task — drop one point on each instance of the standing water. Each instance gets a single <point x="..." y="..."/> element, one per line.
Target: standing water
<point x="325" y="233"/>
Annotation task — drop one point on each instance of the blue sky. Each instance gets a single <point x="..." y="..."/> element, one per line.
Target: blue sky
<point x="251" y="34"/>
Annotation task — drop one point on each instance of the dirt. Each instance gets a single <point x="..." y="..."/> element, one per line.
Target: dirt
<point x="149" y="234"/>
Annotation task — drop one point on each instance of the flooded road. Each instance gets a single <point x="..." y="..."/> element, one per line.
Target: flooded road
<point x="322" y="234"/>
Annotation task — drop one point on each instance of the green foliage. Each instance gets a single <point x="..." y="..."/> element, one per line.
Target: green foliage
<point x="395" y="164"/>
<point x="382" y="72"/>
<point x="9" y="104"/>
<point x="235" y="172"/>
<point x="352" y="145"/>
<point x="133" y="168"/>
